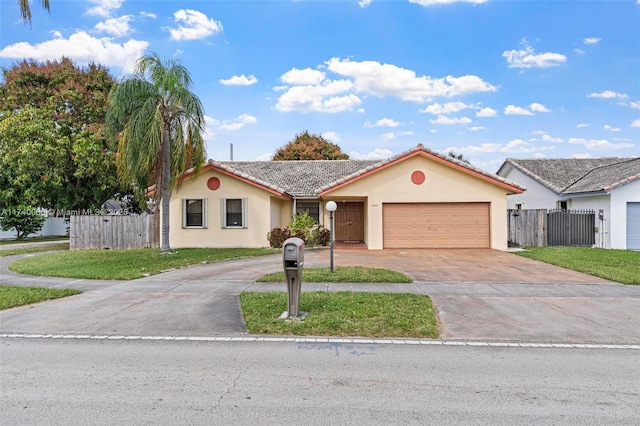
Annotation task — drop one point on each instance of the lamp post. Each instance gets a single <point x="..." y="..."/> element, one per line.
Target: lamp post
<point x="331" y="207"/>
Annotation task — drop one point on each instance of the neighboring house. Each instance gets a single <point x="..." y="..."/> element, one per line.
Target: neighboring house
<point x="416" y="199"/>
<point x="609" y="186"/>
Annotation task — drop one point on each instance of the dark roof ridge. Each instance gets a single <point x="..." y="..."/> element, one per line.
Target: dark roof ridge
<point x="624" y="160"/>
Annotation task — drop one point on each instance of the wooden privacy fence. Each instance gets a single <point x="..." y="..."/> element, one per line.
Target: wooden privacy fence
<point x="527" y="228"/>
<point x="542" y="227"/>
<point x="112" y="232"/>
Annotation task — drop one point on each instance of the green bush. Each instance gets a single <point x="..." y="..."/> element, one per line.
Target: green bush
<point x="322" y="236"/>
<point x="302" y="226"/>
<point x="23" y="219"/>
<point x="277" y="236"/>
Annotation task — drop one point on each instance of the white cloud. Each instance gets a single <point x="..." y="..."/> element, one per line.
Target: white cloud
<point x="239" y="122"/>
<point x="591" y="40"/>
<point x="364" y="3"/>
<point x="382" y="80"/>
<point x="439" y="2"/>
<point x="548" y="138"/>
<point x="538" y="107"/>
<point x="118" y="27"/>
<point x="383" y="122"/>
<point x="82" y="48"/>
<point x="341" y="103"/>
<point x="264" y="157"/>
<point x="148" y="15"/>
<point x="443" y="119"/>
<point x="388" y="136"/>
<point x="579" y="51"/>
<point x="331" y="136"/>
<point x="599" y="143"/>
<point x="476" y="128"/>
<point x="611" y="129"/>
<point x="635" y="123"/>
<point x="487" y="112"/>
<point x="319" y="98"/>
<point x="306" y="76"/>
<point x="634" y="104"/>
<point x="239" y="80"/>
<point x="582" y="125"/>
<point x="194" y="25"/>
<point x="527" y="58"/>
<point x="210" y="123"/>
<point x="608" y="94"/>
<point x="448" y="108"/>
<point x="104" y="7"/>
<point x="516" y="110"/>
<point x="376" y="154"/>
<point x="311" y="90"/>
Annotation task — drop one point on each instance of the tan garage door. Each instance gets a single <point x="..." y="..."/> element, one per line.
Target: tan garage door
<point x="436" y="225"/>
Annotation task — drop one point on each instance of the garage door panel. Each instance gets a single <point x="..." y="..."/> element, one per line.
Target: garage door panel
<point x="436" y="225"/>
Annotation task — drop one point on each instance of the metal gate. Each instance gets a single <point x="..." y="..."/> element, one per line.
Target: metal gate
<point x="571" y="227"/>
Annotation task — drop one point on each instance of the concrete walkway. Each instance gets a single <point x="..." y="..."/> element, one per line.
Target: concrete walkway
<point x="510" y="299"/>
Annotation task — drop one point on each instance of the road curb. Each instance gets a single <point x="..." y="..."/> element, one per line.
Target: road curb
<point x="351" y="341"/>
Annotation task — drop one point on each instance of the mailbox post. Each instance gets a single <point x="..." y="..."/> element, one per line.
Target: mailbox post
<point x="293" y="263"/>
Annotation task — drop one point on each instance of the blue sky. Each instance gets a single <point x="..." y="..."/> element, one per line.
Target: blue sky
<point x="489" y="79"/>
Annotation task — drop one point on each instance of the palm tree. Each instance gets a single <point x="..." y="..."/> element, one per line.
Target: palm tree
<point x="25" y="9"/>
<point x="158" y="123"/>
<point x="459" y="157"/>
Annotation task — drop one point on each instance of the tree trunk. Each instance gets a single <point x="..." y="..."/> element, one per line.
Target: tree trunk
<point x="165" y="193"/>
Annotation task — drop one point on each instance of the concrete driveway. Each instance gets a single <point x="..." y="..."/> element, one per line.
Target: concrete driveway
<point x="478" y="295"/>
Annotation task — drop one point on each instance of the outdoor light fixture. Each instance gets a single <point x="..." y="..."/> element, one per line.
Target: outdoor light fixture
<point x="331" y="207"/>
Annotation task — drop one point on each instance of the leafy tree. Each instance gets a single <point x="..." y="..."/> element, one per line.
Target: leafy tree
<point x="158" y="123"/>
<point x="307" y="146"/>
<point x="25" y="9"/>
<point x="23" y="219"/>
<point x="53" y="152"/>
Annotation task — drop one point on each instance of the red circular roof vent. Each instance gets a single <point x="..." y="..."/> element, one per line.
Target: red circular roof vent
<point x="213" y="183"/>
<point x="417" y="177"/>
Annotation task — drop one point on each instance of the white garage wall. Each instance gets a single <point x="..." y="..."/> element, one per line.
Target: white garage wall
<point x="619" y="199"/>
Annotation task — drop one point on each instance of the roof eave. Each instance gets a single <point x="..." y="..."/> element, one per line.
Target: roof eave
<point x="513" y="187"/>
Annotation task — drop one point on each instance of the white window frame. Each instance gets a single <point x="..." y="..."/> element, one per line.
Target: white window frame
<point x="205" y="214"/>
<point x="223" y="214"/>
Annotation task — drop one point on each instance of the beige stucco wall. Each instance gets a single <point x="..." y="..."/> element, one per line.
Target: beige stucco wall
<point x="264" y="211"/>
<point x="442" y="184"/>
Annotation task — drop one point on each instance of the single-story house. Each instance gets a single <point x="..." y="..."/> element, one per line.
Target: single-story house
<point x="609" y="186"/>
<point x="416" y="199"/>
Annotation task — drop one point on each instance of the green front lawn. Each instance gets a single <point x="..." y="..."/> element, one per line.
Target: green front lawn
<point x="343" y="274"/>
<point x="343" y="314"/>
<point x="12" y="296"/>
<point x="125" y="264"/>
<point x="622" y="266"/>
<point x="52" y="247"/>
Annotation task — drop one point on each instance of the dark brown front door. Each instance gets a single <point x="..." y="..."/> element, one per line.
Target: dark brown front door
<point x="349" y="221"/>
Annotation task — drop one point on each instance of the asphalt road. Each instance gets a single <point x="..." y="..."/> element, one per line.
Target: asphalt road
<point x="61" y="382"/>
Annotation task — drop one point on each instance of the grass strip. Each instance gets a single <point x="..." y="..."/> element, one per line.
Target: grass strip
<point x="27" y="250"/>
<point x="343" y="274"/>
<point x="33" y="240"/>
<point x="12" y="296"/>
<point x="342" y="314"/>
<point x="622" y="266"/>
<point x="125" y="264"/>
